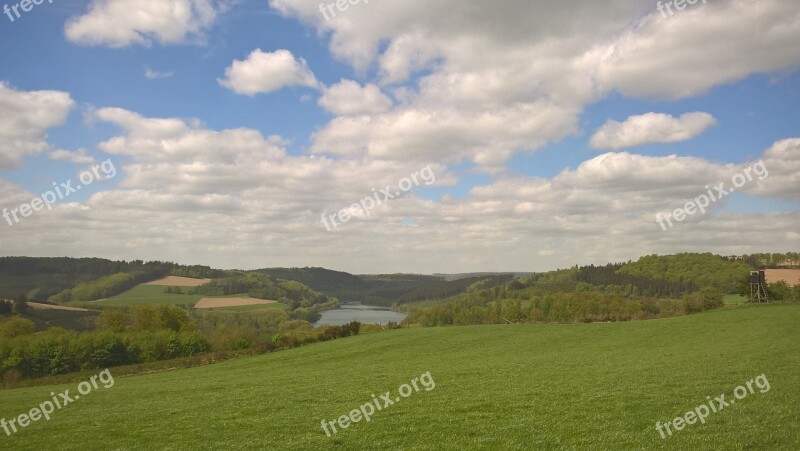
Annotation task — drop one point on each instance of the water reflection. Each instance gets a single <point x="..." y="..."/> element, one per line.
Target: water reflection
<point x="365" y="314"/>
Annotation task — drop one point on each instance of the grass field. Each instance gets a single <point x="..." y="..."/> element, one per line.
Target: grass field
<point x="250" y="308"/>
<point x="498" y="387"/>
<point x="153" y="294"/>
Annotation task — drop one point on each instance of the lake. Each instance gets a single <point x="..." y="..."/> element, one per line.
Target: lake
<point x="365" y="314"/>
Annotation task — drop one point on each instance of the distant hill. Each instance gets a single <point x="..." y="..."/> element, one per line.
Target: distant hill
<point x="470" y="275"/>
<point x="375" y="289"/>
<point x="320" y="279"/>
<point x="39" y="278"/>
<point x="450" y="288"/>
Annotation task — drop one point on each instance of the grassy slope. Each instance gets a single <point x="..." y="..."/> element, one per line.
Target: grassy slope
<point x="250" y="308"/>
<point x="154" y="294"/>
<point x="511" y="387"/>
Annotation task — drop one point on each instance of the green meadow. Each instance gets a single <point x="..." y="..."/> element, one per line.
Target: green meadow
<point x="551" y="386"/>
<point x="250" y="308"/>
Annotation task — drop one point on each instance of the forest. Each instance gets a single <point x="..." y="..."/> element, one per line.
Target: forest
<point x="653" y="287"/>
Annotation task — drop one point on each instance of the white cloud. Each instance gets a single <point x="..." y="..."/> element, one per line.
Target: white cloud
<point x="782" y="162"/>
<point x="120" y="23"/>
<point x="239" y="193"/>
<point x="264" y="72"/>
<point x="701" y="48"/>
<point x="155" y="75"/>
<point x="78" y="157"/>
<point x="348" y="98"/>
<point x="24" y="120"/>
<point x="650" y="128"/>
<point x="250" y="203"/>
<point x="540" y="65"/>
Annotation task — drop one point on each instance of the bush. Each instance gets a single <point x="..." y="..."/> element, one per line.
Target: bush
<point x="780" y="291"/>
<point x="712" y="298"/>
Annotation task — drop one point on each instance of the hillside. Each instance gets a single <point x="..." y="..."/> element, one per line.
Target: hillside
<point x="450" y="288"/>
<point x="319" y="279"/>
<point x="43" y="278"/>
<point x="704" y="270"/>
<point x="500" y="387"/>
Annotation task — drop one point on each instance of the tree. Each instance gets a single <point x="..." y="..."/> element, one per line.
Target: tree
<point x="779" y="291"/>
<point x="21" y="307"/>
<point x="114" y="320"/>
<point x="15" y="327"/>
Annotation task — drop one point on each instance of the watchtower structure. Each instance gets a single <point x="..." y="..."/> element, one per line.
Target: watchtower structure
<point x="758" y="286"/>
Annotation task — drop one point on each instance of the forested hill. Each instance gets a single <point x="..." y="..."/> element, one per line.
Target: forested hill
<point x="320" y="279"/>
<point x="383" y="289"/>
<point x="446" y="289"/>
<point x="703" y="270"/>
<point x="39" y="278"/>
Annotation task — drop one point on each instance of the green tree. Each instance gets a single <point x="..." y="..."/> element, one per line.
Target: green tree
<point x="115" y="320"/>
<point x="16" y="327"/>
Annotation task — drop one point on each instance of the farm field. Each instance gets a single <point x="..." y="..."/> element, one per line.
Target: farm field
<point x="152" y="294"/>
<point x="598" y="386"/>
<point x="790" y="276"/>
<point x="38" y="306"/>
<point x="175" y="281"/>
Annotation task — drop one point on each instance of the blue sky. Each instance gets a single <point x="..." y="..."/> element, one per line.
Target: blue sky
<point x="379" y="92"/>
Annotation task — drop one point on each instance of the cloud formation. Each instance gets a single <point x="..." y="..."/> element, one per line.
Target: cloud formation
<point x="250" y="203"/>
<point x="348" y="98"/>
<point x="264" y="72"/>
<point x="25" y="117"/>
<point x="122" y="23"/>
<point x="650" y="128"/>
<point x="540" y="66"/>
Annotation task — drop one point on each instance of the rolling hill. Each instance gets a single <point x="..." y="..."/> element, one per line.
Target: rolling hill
<point x="602" y="385"/>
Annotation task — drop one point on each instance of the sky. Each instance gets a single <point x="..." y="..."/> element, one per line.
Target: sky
<point x="388" y="136"/>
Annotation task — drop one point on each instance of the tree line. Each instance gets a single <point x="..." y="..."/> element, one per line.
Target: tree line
<point x="770" y="261"/>
<point x="146" y="333"/>
<point x="584" y="305"/>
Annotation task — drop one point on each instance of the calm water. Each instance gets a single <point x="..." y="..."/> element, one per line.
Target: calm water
<point x="365" y="314"/>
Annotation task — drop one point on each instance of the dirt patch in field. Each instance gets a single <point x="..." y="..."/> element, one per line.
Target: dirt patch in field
<point x="790" y="276"/>
<point x="174" y="281"/>
<point x="38" y="306"/>
<point x="229" y="302"/>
